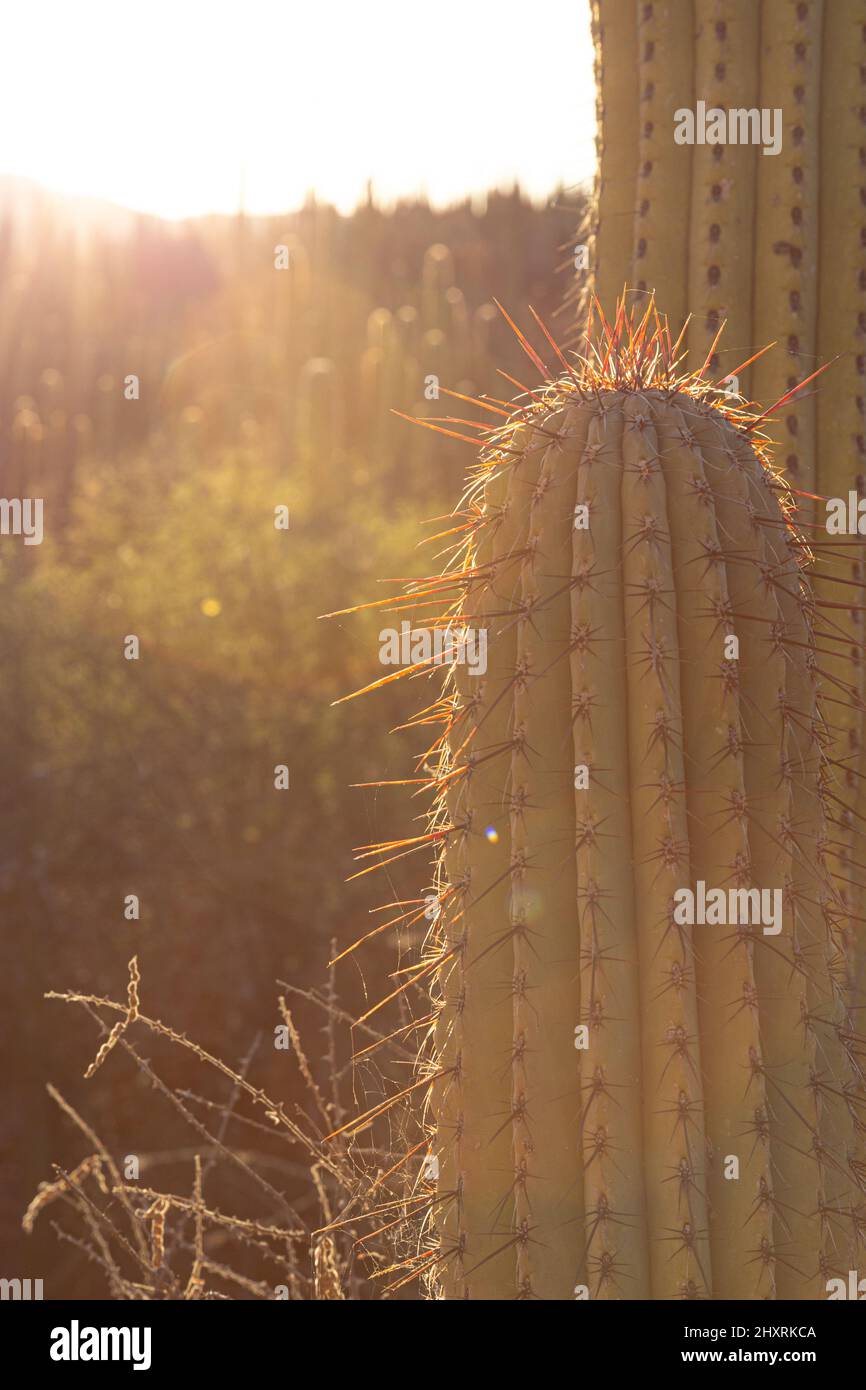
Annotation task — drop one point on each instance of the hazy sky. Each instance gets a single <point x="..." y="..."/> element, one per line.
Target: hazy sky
<point x="174" y="106"/>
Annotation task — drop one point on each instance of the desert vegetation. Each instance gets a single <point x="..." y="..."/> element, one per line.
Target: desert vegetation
<point x="258" y="388"/>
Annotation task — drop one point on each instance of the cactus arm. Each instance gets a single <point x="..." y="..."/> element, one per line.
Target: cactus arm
<point x="786" y="233"/>
<point x="661" y="251"/>
<point x="723" y="188"/>
<point x="611" y="655"/>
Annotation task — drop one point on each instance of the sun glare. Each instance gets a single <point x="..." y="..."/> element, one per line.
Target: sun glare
<point x="186" y="109"/>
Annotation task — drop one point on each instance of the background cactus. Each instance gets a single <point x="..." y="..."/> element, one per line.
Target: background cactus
<point x="320" y="425"/>
<point x="702" y="1137"/>
<point x="721" y="231"/>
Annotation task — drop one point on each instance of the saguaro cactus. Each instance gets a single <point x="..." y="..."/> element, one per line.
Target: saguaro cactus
<point x="628" y="1101"/>
<point x="771" y="244"/>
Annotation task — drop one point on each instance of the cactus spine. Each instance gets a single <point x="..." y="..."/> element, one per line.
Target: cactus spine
<point x="705" y="1142"/>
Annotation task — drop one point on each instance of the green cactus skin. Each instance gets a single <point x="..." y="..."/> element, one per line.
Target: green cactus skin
<point x="605" y="1167"/>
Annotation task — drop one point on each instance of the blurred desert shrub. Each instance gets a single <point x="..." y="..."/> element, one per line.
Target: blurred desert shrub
<point x="258" y="387"/>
